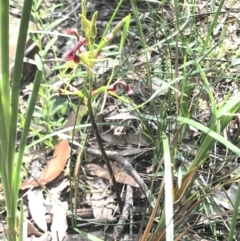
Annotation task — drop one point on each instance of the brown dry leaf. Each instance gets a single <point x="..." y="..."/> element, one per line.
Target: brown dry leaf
<point x="54" y="166"/>
<point x="226" y="198"/>
<point x="96" y="170"/>
<point x="179" y="192"/>
<point x="120" y="175"/>
<point x="58" y="189"/>
<point x="101" y="202"/>
<point x="32" y="230"/>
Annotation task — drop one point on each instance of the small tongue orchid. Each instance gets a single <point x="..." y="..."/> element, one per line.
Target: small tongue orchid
<point x="72" y="54"/>
<point x="89" y="56"/>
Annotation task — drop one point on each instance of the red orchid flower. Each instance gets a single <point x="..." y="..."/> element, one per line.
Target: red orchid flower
<point x="115" y="85"/>
<point x="72" y="54"/>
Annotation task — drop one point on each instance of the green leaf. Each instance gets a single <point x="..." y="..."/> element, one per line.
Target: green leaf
<point x="85" y="24"/>
<point x="125" y="31"/>
<point x="84" y="14"/>
<point x="93" y="29"/>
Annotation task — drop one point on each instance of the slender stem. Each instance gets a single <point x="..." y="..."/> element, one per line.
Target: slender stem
<point x="99" y="140"/>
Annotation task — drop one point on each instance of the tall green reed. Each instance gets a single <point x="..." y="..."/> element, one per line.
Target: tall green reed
<point x="10" y="163"/>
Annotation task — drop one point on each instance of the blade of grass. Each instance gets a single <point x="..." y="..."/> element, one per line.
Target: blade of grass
<point x="5" y="110"/>
<point x="168" y="190"/>
<point x="111" y="20"/>
<point x="213" y="24"/>
<point x="4" y="64"/>
<point x="207" y="87"/>
<point x="142" y="37"/>
<point x="31" y="106"/>
<point x="209" y="141"/>
<point x="124" y="34"/>
<point x="22" y="37"/>
<point x="235" y="214"/>
<point x="21" y="222"/>
<point x="5" y="115"/>
<point x="16" y="82"/>
<point x="87" y="235"/>
<point x="9" y="112"/>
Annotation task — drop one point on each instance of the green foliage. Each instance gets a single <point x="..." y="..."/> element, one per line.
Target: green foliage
<point x="9" y="99"/>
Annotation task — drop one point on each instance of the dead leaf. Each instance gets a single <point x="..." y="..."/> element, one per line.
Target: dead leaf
<point x="60" y="187"/>
<point x="100" y="201"/>
<point x="31" y="230"/>
<point x="37" y="209"/>
<point x="134" y="139"/>
<point x="119" y="130"/>
<point x="122" y="116"/>
<point x="113" y="139"/>
<point x="45" y="237"/>
<point x="104" y="66"/>
<point x="24" y="229"/>
<point x="54" y="166"/>
<point x="59" y="222"/>
<point x="119" y="174"/>
<point x="226" y="198"/>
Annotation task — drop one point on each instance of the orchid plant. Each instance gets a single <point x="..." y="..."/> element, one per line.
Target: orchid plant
<point x="87" y="53"/>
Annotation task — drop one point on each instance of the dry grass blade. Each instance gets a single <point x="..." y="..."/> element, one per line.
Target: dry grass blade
<point x="154" y="211"/>
<point x="179" y="192"/>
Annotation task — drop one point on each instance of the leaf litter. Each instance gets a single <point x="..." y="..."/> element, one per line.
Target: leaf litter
<point x="54" y="166"/>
